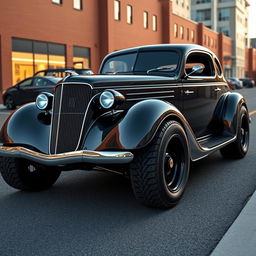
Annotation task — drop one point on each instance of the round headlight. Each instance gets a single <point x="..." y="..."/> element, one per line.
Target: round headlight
<point x="107" y="99"/>
<point x="42" y="101"/>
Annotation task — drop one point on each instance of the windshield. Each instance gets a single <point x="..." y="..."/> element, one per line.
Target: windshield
<point x="140" y="63"/>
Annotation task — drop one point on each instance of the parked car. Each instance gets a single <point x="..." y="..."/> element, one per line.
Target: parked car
<point x="27" y="90"/>
<point x="61" y="72"/>
<point x="152" y="110"/>
<point x="231" y="84"/>
<point x="235" y="83"/>
<point x="248" y="82"/>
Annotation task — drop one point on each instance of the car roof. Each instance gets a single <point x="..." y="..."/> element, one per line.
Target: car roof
<point x="184" y="48"/>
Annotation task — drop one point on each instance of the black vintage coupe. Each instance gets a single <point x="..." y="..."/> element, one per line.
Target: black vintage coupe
<point x="151" y="111"/>
<point x="28" y="89"/>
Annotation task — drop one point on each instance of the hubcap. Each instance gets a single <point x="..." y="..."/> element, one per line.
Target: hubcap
<point x="174" y="165"/>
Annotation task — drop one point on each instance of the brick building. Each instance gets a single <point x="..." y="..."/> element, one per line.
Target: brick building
<point x="39" y="34"/>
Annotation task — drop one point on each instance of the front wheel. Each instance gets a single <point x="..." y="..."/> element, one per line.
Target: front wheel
<point x="239" y="148"/>
<point x="24" y="175"/>
<point x="159" y="173"/>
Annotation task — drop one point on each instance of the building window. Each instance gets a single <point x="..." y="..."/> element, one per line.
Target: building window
<point x="129" y="14"/>
<point x="77" y="4"/>
<point x="154" y="23"/>
<point x="117" y="13"/>
<point x="57" y="1"/>
<point x="203" y="1"/>
<point x="224" y="14"/>
<point x="224" y="30"/>
<point x="193" y="35"/>
<point x="30" y="56"/>
<point x="203" y="15"/>
<point x="81" y="57"/>
<point x="181" y="32"/>
<point x="188" y="34"/>
<point x="175" y="30"/>
<point x="145" y="19"/>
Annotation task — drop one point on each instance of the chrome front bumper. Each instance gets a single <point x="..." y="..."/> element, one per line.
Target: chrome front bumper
<point x="83" y="156"/>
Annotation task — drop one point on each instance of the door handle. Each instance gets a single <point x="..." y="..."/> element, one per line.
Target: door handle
<point x="217" y="89"/>
<point x="188" y="92"/>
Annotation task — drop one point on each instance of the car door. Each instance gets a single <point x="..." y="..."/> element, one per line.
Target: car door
<point x="22" y="93"/>
<point x="40" y="84"/>
<point x="200" y="93"/>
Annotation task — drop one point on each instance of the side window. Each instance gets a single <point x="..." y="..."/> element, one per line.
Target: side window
<point x="203" y="60"/>
<point x="26" y="83"/>
<point x="218" y="67"/>
<point x="39" y="82"/>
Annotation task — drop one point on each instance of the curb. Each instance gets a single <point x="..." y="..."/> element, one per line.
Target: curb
<point x="240" y="239"/>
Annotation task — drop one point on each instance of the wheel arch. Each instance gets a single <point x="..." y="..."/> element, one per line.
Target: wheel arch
<point x="23" y="127"/>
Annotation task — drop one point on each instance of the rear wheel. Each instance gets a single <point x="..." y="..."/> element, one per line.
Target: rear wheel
<point x="240" y="146"/>
<point x="9" y="102"/>
<point x="159" y="173"/>
<point x="24" y="175"/>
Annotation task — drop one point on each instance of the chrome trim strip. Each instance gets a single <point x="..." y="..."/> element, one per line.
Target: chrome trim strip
<point x="82" y="156"/>
<point x="85" y="114"/>
<point x="142" y="93"/>
<point x="139" y="87"/>
<point x="154" y="86"/>
<point x="77" y="83"/>
<point x="50" y="137"/>
<point x="159" y="97"/>
<point x="57" y="135"/>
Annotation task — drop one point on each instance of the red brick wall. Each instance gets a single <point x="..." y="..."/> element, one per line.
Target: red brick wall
<point x="44" y="21"/>
<point x="123" y="35"/>
<point x="188" y="27"/>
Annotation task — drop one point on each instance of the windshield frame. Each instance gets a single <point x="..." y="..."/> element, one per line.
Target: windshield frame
<point x="144" y="72"/>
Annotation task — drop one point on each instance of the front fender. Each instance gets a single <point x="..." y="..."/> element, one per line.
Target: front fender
<point x="133" y="130"/>
<point x="27" y="126"/>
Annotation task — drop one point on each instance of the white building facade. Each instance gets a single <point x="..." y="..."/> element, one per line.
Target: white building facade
<point x="229" y="17"/>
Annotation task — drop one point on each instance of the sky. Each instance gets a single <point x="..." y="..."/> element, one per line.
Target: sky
<point x="252" y="18"/>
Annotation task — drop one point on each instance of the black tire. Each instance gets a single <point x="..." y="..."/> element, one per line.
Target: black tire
<point x="24" y="175"/>
<point x="239" y="148"/>
<point x="159" y="173"/>
<point x="9" y="102"/>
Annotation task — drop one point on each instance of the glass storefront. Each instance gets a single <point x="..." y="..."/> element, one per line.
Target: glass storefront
<point x="81" y="57"/>
<point x="30" y="56"/>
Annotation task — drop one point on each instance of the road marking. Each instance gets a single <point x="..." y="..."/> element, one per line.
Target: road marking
<point x="252" y="112"/>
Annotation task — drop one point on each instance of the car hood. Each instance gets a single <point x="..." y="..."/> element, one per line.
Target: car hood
<point x="99" y="80"/>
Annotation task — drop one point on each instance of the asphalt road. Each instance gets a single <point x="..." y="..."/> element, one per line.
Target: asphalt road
<point x="91" y="213"/>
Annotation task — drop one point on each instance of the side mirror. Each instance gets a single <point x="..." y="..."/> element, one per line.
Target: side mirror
<point x="195" y="69"/>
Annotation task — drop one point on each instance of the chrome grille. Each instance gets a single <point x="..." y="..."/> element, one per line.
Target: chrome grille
<point x="70" y="107"/>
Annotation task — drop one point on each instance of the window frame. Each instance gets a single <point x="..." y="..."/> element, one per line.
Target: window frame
<point x="129" y="14"/>
<point x="80" y="4"/>
<point x="117" y="12"/>
<point x="59" y="2"/>
<point x="145" y="19"/>
<point x="154" y="22"/>
<point x="212" y="64"/>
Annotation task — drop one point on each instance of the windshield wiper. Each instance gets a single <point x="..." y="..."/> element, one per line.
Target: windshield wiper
<point x="161" y="68"/>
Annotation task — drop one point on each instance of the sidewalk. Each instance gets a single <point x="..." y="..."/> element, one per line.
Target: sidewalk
<point x="240" y="239"/>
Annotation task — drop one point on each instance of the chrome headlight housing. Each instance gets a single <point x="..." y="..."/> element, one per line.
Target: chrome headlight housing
<point x="44" y="101"/>
<point x="107" y="99"/>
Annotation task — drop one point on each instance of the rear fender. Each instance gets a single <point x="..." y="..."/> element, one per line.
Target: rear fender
<point x="232" y="106"/>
